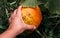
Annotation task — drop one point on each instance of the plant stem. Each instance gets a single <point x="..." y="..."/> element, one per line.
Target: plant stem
<point x="7" y="13"/>
<point x="45" y="35"/>
<point x="39" y="33"/>
<point x="13" y="3"/>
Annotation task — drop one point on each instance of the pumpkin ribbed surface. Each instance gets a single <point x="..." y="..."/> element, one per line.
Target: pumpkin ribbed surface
<point x="32" y="16"/>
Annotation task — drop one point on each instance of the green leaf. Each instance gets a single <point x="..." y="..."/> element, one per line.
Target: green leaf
<point x="54" y="6"/>
<point x="29" y="3"/>
<point x="1" y="27"/>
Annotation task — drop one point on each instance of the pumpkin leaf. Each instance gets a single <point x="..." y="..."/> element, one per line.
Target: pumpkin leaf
<point x="29" y="3"/>
<point x="54" y="6"/>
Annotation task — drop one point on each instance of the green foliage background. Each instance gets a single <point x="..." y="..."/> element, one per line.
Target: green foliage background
<point x="49" y="27"/>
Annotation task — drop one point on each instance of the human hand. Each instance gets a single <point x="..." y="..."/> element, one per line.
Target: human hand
<point x="17" y="23"/>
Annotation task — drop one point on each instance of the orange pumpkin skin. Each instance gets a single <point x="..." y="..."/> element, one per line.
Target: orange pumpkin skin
<point x="32" y="16"/>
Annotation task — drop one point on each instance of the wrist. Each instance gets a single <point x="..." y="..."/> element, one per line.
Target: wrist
<point x="8" y="34"/>
<point x="16" y="30"/>
<point x="13" y="32"/>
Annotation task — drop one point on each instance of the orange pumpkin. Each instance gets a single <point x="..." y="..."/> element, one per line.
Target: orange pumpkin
<point x="32" y="16"/>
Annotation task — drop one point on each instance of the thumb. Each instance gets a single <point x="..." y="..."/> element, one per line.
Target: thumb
<point x="30" y="27"/>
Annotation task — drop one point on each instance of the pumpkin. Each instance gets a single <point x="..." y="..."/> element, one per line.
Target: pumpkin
<point x="32" y="16"/>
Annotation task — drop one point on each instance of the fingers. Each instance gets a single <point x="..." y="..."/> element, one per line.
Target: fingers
<point x="12" y="16"/>
<point x="14" y="13"/>
<point x="19" y="11"/>
<point x="30" y="27"/>
<point x="9" y="20"/>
